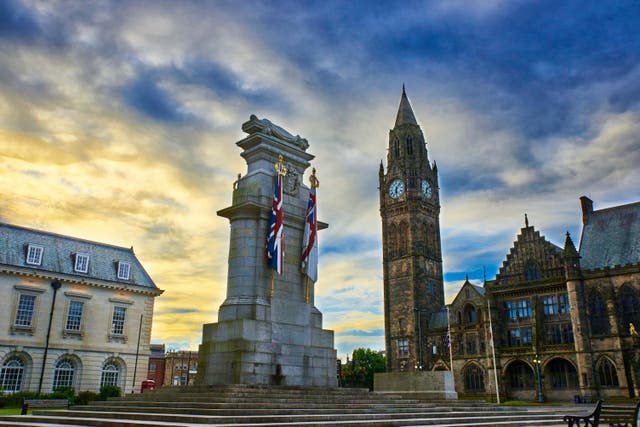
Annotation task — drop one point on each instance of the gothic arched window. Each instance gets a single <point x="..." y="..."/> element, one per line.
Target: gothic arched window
<point x="519" y="375"/>
<point x="562" y="374"/>
<point x="630" y="305"/>
<point x="473" y="378"/>
<point x="403" y="242"/>
<point x="607" y="373"/>
<point x="533" y="271"/>
<point x="409" y="145"/>
<point x="470" y="315"/>
<point x="598" y="316"/>
<point x="393" y="241"/>
<point x="396" y="148"/>
<point x="12" y="374"/>
<point x="63" y="374"/>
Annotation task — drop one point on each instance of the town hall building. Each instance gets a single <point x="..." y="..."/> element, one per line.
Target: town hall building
<point x="562" y="320"/>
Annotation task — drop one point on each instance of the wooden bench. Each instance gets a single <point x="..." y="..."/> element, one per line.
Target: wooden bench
<point x="607" y="415"/>
<point x="43" y="403"/>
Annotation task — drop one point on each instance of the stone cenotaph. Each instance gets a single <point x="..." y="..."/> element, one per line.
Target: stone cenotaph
<point x="266" y="331"/>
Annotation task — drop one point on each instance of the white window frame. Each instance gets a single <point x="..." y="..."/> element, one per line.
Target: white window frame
<point x="34" y="254"/>
<point x="74" y="314"/>
<point x="82" y="263"/>
<point x="18" y="315"/>
<point x="117" y="324"/>
<point x="63" y="374"/>
<point x="124" y="270"/>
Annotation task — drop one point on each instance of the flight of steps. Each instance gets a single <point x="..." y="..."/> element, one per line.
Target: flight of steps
<point x="263" y="406"/>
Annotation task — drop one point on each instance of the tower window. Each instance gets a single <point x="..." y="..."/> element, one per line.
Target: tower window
<point x="409" y="145"/>
<point x="403" y="347"/>
<point x="396" y="148"/>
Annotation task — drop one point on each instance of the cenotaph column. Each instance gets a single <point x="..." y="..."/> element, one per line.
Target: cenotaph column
<point x="260" y="338"/>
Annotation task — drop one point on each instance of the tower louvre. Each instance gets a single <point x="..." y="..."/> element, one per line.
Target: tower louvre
<point x="412" y="255"/>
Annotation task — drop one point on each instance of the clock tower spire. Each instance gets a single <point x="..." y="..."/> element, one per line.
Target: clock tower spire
<point x="412" y="255"/>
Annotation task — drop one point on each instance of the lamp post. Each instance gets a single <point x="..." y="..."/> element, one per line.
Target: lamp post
<point x="537" y="362"/>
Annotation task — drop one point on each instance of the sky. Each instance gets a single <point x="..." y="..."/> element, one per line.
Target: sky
<point x="118" y="123"/>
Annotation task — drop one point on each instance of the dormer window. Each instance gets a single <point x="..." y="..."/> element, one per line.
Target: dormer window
<point x="34" y="254"/>
<point x="124" y="270"/>
<point x="82" y="263"/>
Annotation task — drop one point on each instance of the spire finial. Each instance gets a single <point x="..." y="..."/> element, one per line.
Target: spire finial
<point x="403" y="92"/>
<point x="466" y="277"/>
<point x="526" y="220"/>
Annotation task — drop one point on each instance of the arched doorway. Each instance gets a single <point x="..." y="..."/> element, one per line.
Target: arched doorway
<point x="560" y="379"/>
<point x="519" y="381"/>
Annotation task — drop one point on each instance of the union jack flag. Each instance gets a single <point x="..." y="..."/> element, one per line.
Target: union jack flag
<point x="310" y="239"/>
<point x="275" y="236"/>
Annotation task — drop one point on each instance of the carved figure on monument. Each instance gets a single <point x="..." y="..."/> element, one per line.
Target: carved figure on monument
<point x="313" y="179"/>
<point x="292" y="181"/>
<point x="267" y="127"/>
<point x="237" y="181"/>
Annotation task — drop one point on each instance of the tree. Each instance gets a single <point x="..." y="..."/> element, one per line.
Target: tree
<point x="359" y="371"/>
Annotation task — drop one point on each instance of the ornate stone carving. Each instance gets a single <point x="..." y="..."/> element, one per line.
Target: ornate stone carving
<point x="291" y="180"/>
<point x="267" y="127"/>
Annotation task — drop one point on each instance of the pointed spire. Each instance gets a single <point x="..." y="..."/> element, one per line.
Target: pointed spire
<point x="526" y="220"/>
<point x="466" y="279"/>
<point x="381" y="172"/>
<point x="569" y="248"/>
<point x="405" y="112"/>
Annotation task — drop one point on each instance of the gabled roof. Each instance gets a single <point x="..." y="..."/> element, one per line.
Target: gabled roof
<point x="405" y="112"/>
<point x="530" y="247"/>
<point x="59" y="255"/>
<point x="610" y="237"/>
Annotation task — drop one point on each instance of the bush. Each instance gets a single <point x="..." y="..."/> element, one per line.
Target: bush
<point x="63" y="393"/>
<point x="108" y="391"/>
<point x="85" y="397"/>
<point x="15" y="400"/>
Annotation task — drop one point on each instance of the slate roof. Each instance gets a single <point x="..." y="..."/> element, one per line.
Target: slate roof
<point x="405" y="112"/>
<point x="480" y="289"/>
<point x="59" y="256"/>
<point x="611" y="237"/>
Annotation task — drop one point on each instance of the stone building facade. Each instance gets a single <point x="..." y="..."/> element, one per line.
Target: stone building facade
<point x="412" y="256"/>
<point x="181" y="367"/>
<point x="563" y="320"/>
<point x="71" y="312"/>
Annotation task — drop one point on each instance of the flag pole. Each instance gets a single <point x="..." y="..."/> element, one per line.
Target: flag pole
<point x="450" y="344"/>
<point x="493" y="352"/>
<point x="273" y="280"/>
<point x="306" y="292"/>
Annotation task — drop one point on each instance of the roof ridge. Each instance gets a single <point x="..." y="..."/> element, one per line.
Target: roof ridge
<point x="64" y="236"/>
<point x="610" y="208"/>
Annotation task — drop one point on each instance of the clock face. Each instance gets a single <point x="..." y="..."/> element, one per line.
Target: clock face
<point x="426" y="189"/>
<point x="396" y="188"/>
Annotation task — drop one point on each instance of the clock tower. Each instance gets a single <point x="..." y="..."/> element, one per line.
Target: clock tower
<point x="412" y="255"/>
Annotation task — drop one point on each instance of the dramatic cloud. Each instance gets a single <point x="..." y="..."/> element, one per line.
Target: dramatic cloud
<point x="118" y="122"/>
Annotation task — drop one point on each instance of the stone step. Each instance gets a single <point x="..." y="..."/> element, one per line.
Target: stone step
<point x="224" y="411"/>
<point x="312" y="417"/>
<point x="51" y="421"/>
<point x="282" y="408"/>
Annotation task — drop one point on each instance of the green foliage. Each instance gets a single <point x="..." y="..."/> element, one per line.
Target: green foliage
<point x="63" y="393"/>
<point x="108" y="391"/>
<point x="86" y="397"/>
<point x="15" y="400"/>
<point x="360" y="370"/>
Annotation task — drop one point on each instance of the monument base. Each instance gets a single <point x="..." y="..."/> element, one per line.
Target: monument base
<point x="425" y="385"/>
<point x="261" y="351"/>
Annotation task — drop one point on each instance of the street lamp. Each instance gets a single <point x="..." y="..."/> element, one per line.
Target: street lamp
<point x="537" y="362"/>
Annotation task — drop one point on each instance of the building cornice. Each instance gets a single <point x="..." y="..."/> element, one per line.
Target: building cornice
<point x="98" y="283"/>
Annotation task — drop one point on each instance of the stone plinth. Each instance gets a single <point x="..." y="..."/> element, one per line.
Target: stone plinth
<point x="424" y="385"/>
<point x="263" y="339"/>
